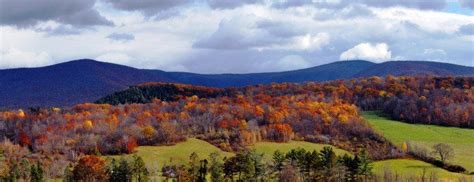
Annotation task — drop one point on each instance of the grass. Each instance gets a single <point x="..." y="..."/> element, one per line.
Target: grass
<point x="409" y="168"/>
<point x="460" y="139"/>
<point x="268" y="148"/>
<point x="156" y="156"/>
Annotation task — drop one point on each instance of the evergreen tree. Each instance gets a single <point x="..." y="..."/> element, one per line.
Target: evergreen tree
<point x="215" y="167"/>
<point x="140" y="172"/>
<point x="68" y="175"/>
<point x="364" y="166"/>
<point x="278" y="160"/>
<point x="121" y="172"/>
<point x="37" y="173"/>
<point x="194" y="166"/>
<point x="202" y="170"/>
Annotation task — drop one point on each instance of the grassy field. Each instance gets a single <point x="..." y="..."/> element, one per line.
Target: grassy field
<point x="461" y="140"/>
<point x="407" y="168"/>
<point x="156" y="156"/>
<point x="268" y="148"/>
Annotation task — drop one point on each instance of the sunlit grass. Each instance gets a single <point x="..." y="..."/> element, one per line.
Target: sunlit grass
<point x="460" y="139"/>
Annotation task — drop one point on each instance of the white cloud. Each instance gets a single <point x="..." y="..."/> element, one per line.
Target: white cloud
<point x="285" y="63"/>
<point x="367" y="51"/>
<point x="13" y="58"/>
<point x="313" y="42"/>
<point x="115" y="57"/>
<point x="435" y="54"/>
<point x="292" y="62"/>
<point x="242" y="38"/>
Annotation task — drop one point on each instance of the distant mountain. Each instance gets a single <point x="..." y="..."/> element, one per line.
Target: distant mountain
<point x="67" y="83"/>
<point x="399" y="68"/>
<point x="87" y="80"/>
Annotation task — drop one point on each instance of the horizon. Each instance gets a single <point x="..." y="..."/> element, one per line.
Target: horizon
<point x="213" y="37"/>
<point x="354" y="60"/>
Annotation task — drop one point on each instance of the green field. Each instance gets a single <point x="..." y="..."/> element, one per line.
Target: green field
<point x="461" y="140"/>
<point x="268" y="148"/>
<point x="156" y="156"/>
<point x="408" y="168"/>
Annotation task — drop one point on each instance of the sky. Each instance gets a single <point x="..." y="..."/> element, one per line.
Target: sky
<point x="230" y="36"/>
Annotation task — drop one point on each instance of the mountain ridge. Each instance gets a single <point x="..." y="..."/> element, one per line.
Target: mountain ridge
<point x="87" y="80"/>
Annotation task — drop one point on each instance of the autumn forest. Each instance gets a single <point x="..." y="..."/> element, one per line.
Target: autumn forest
<point x="60" y="143"/>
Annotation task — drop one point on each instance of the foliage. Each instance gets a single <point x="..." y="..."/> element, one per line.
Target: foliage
<point x="90" y="168"/>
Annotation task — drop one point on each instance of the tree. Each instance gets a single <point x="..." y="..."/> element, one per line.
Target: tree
<point x="289" y="173"/>
<point x="364" y="164"/>
<point x="121" y="172"/>
<point x="37" y="173"/>
<point x="90" y="168"/>
<point x="215" y="167"/>
<point x="194" y="165"/>
<point x="444" y="151"/>
<point x="140" y="172"/>
<point x="202" y="170"/>
<point x="278" y="160"/>
<point x="68" y="175"/>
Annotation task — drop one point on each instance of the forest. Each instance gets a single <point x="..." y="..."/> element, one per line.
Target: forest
<point x="231" y="119"/>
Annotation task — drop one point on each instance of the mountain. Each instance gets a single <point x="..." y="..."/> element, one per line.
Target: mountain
<point x="67" y="83"/>
<point x="399" y="68"/>
<point x="87" y="80"/>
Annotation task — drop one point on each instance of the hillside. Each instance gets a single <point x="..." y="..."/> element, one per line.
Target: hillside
<point x="87" y="80"/>
<point x="67" y="83"/>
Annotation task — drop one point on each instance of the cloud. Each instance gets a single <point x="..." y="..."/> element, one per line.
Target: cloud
<point x="55" y="29"/>
<point x="115" y="57"/>
<point x="467" y="29"/>
<point x="419" y="4"/>
<point x="338" y="4"/>
<point x="25" y="13"/>
<point x="435" y="54"/>
<point x="310" y="42"/>
<point x="237" y="33"/>
<point x="251" y="32"/>
<point x="123" y="37"/>
<point x="291" y="62"/>
<point x="14" y="58"/>
<point x="226" y="4"/>
<point x="467" y="3"/>
<point x="367" y="51"/>
<point x="148" y="7"/>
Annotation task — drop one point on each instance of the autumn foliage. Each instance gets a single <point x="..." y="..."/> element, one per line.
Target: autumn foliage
<point x="234" y="118"/>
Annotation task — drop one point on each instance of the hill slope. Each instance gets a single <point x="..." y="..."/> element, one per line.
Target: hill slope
<point x="67" y="83"/>
<point x="87" y="80"/>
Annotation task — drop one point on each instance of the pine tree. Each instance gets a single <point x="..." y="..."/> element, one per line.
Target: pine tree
<point x="37" y="173"/>
<point x="215" y="167"/>
<point x="194" y="166"/>
<point x="121" y="172"/>
<point x="140" y="172"/>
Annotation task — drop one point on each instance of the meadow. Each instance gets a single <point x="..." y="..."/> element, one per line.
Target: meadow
<point x="460" y="139"/>
<point x="407" y="168"/>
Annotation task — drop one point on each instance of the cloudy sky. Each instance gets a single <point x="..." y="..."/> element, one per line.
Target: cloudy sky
<point x="217" y="36"/>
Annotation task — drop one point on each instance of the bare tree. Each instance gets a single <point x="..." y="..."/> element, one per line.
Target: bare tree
<point x="444" y="151"/>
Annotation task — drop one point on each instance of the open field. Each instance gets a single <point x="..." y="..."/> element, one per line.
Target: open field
<point x="156" y="156"/>
<point x="414" y="168"/>
<point x="461" y="140"/>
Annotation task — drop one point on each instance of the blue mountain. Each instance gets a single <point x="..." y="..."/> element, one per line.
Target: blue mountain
<point x="87" y="80"/>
